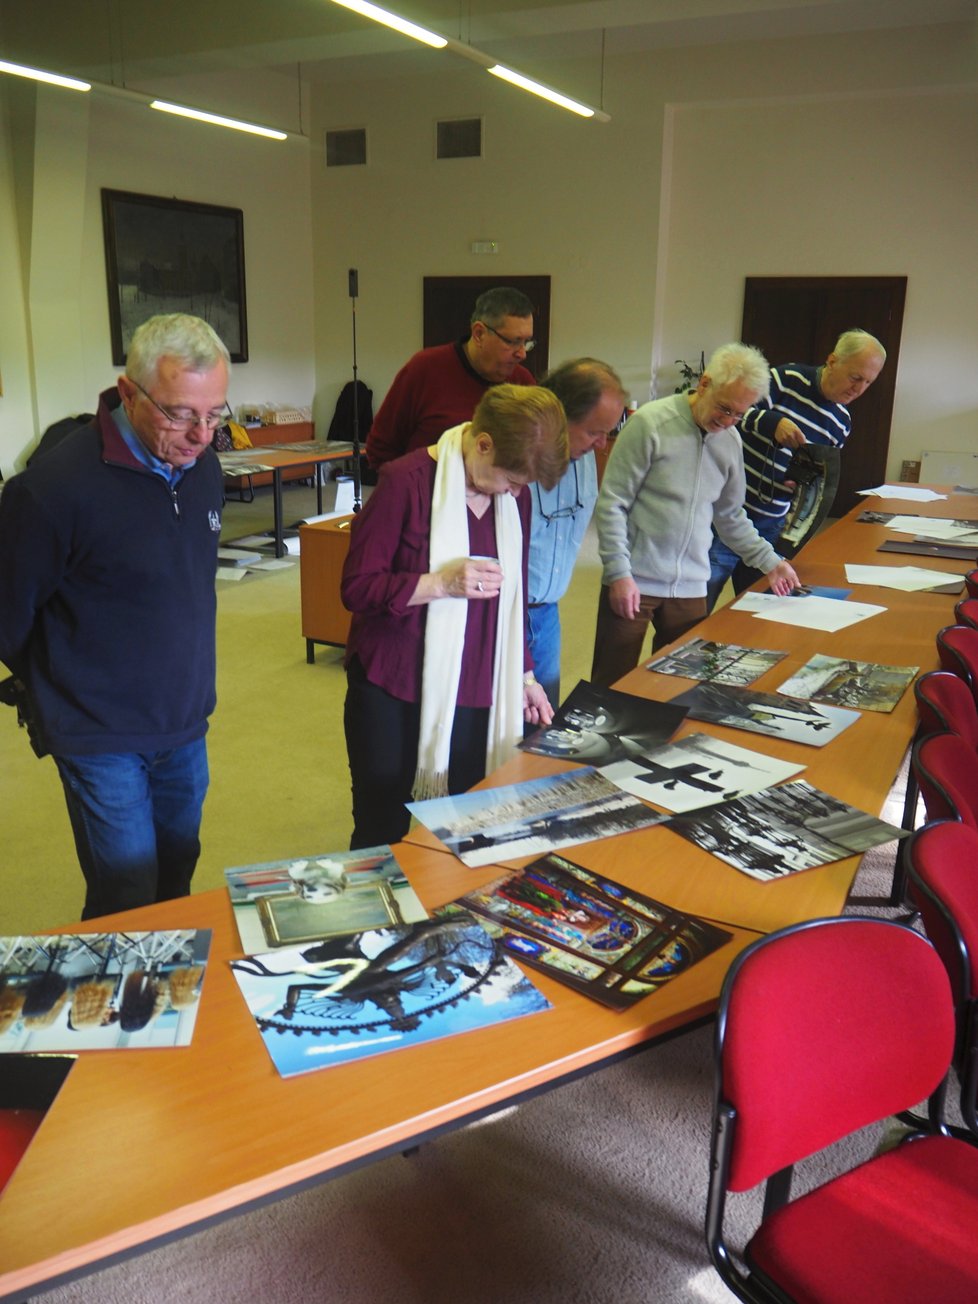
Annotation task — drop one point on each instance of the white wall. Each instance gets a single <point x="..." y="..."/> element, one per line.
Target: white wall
<point x="648" y="225"/>
<point x="66" y="150"/>
<point x="898" y="195"/>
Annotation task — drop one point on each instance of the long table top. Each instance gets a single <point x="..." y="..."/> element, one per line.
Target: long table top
<point x="142" y="1145"/>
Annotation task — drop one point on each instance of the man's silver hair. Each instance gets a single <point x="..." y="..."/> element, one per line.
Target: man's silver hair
<point x="740" y="362"/>
<point x="189" y="340"/>
<point x="855" y="341"/>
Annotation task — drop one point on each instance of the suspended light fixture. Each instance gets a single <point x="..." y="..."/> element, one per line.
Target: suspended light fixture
<point x="537" y="88"/>
<point x="38" y="74"/>
<point x="368" y="10"/>
<point x="218" y="120"/>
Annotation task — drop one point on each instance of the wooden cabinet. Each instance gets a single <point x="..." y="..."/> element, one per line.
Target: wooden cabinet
<point x="322" y="552"/>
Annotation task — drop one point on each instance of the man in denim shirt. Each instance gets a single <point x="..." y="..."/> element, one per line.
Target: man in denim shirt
<point x="594" y="402"/>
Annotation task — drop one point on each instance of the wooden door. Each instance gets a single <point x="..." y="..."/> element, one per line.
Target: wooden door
<point x="799" y="318"/>
<point x="449" y="300"/>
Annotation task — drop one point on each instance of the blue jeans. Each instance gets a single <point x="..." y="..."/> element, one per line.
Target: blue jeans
<point x="543" y="637"/>
<point x="136" y="821"/>
<point x="724" y="563"/>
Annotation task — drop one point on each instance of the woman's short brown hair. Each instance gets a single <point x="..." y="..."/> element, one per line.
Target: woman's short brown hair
<point x="528" y="429"/>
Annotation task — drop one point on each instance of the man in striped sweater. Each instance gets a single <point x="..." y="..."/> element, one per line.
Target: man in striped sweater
<point x="808" y="405"/>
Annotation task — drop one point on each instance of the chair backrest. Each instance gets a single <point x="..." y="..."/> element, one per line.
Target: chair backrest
<point x="966" y="612"/>
<point x="945" y="705"/>
<point x="971" y="583"/>
<point x="957" y="647"/>
<point x="945" y="769"/>
<point x="943" y="861"/>
<point x="824" y="1028"/>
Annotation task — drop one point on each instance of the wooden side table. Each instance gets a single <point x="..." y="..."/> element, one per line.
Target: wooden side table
<point x="322" y="551"/>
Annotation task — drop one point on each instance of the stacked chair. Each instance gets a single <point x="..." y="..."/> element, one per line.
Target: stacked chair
<point x="943" y="860"/>
<point x="957" y="647"/>
<point x="824" y="1028"/>
<point x="966" y="611"/>
<point x="971" y="583"/>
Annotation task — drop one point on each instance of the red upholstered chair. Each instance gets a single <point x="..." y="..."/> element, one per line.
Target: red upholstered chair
<point x="943" y="862"/>
<point x="971" y="583"/>
<point x="957" y="647"/>
<point x="825" y="1028"/>
<point x="947" y="774"/>
<point x="17" y="1128"/>
<point x="966" y="612"/>
<point x="945" y="705"/>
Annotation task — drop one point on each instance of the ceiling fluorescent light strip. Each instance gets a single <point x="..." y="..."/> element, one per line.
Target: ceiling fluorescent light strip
<point x="367" y="10"/>
<point x="37" y="74"/>
<point x="217" y="120"/>
<point x="537" y="88"/>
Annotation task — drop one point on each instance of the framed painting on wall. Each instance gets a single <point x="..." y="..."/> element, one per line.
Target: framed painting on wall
<point x="173" y="255"/>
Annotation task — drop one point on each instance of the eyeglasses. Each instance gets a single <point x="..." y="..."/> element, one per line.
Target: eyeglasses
<point x="729" y="412"/>
<point x="210" y="422"/>
<point x="526" y="345"/>
<point x="562" y="512"/>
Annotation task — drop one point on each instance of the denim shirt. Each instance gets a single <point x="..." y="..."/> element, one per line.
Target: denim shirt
<point x="555" y="542"/>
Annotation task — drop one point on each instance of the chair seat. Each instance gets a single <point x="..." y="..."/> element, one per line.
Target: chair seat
<point x="17" y="1128"/>
<point x="897" y="1228"/>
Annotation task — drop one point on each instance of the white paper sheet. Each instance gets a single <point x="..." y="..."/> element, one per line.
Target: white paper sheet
<point x="909" y="579"/>
<point x="903" y="491"/>
<point x="931" y="527"/>
<point x="825" y="614"/>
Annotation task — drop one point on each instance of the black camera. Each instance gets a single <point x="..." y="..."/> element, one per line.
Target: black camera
<point x="804" y="468"/>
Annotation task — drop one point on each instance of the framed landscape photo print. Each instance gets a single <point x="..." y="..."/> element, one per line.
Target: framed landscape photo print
<point x="172" y="255"/>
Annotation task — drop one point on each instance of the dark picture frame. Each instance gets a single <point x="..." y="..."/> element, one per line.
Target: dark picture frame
<point x="173" y="255"/>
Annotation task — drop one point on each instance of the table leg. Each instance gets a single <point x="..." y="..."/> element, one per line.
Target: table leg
<point x="277" y="500"/>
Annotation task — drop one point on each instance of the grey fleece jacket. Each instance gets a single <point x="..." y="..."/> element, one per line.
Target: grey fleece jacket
<point x="665" y="484"/>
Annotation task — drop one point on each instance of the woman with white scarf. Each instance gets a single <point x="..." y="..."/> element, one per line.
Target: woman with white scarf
<point x="439" y="677"/>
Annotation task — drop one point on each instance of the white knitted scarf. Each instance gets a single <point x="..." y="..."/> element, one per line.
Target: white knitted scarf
<point x="445" y="627"/>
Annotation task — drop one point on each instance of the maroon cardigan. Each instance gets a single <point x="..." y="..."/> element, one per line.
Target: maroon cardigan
<point x="388" y="555"/>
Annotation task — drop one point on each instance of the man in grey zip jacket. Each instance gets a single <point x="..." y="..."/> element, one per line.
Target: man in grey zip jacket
<point x="676" y="470"/>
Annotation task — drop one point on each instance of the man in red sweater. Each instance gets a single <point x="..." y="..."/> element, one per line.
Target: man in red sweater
<point x="440" y="387"/>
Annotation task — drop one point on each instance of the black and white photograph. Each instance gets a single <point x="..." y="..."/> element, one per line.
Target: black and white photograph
<point x="173" y="255"/>
<point x="782" y="830"/>
<point x="494" y="825"/>
<point x="863" y="685"/>
<point x="600" y="725"/>
<point x="721" y="663"/>
<point x="766" y="713"/>
<point x="698" y="770"/>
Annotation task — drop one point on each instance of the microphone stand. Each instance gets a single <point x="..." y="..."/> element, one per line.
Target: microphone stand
<point x="357" y="489"/>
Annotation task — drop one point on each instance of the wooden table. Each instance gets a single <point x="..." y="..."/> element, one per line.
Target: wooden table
<point x="858" y="767"/>
<point x="276" y="460"/>
<point x="141" y="1146"/>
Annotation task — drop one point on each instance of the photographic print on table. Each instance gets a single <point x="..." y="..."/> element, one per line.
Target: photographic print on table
<point x="783" y="830"/>
<point x="698" y="770"/>
<point x="721" y="663"/>
<point x="347" y="998"/>
<point x="589" y="932"/>
<point x="766" y="713"/>
<point x="599" y="725"/>
<point x="864" y="685"/>
<point x="284" y="902"/>
<point x="101" y="991"/>
<point x="492" y="825"/>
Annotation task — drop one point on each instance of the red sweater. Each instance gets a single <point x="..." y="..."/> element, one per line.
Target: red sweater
<point x="434" y="391"/>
